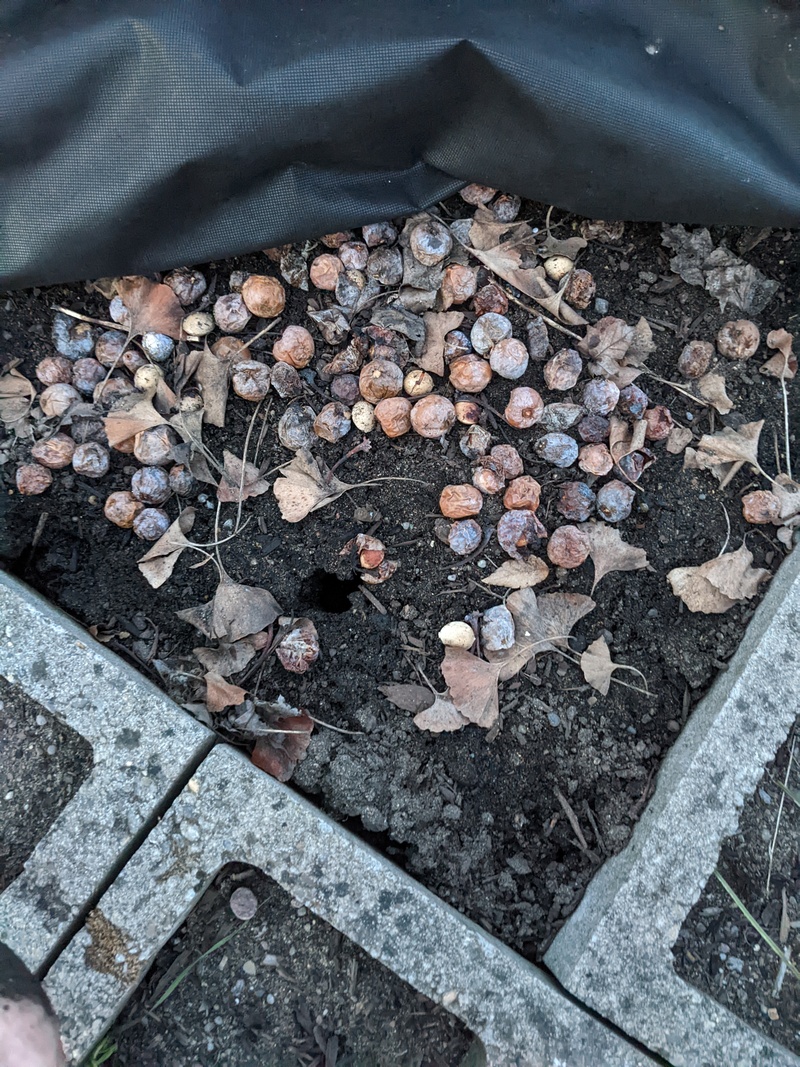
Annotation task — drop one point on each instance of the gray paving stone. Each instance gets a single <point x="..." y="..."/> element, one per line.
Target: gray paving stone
<point x="144" y="748"/>
<point x="614" y="953"/>
<point x="232" y="811"/>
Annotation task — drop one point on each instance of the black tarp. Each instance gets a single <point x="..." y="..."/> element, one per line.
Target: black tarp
<point x="141" y="134"/>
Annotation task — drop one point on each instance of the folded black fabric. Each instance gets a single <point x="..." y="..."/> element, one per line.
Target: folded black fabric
<point x="142" y="134"/>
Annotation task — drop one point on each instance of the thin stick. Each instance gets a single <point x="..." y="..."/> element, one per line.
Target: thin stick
<point x="573" y="819"/>
<point x="373" y="599"/>
<point x="786" y="424"/>
<point x="728" y="537"/>
<point x="329" y="726"/>
<point x="538" y="311"/>
<point x="260" y="333"/>
<point x="774" y="841"/>
<point x="244" y="466"/>
<point x="678" y="388"/>
<point x="86" y="318"/>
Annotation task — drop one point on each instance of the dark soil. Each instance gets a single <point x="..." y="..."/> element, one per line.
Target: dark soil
<point x="287" y="989"/>
<point x="718" y="950"/>
<point x="42" y="765"/>
<point x="475" y="818"/>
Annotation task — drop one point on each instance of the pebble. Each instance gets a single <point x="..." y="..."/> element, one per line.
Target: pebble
<point x="735" y="964"/>
<point x="51" y="750"/>
<point x="553" y="719"/>
<point x="41" y="720"/>
<point x="481" y="563"/>
<point x="249" y="968"/>
<point x="765" y="796"/>
<point x="270" y="998"/>
<point x="601" y="305"/>
<point x="451" y="577"/>
<point x="673" y="726"/>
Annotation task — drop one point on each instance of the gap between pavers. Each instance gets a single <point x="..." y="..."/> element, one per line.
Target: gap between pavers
<point x="231" y="811"/>
<point x="144" y="750"/>
<point x="614" y="953"/>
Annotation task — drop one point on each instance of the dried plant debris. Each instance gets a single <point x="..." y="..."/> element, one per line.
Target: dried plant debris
<point x="784" y="363"/>
<point x="158" y="563"/>
<point x="152" y="307"/>
<point x="726" y="452"/>
<point x="519" y="574"/>
<point x="279" y="751"/>
<point x="17" y="396"/>
<point x="239" y="481"/>
<point x="608" y="552"/>
<point x="598" y="667"/>
<point x="724" y="275"/>
<point x="714" y="587"/>
<point x="234" y="611"/>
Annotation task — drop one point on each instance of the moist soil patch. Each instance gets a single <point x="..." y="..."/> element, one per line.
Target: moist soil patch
<point x="285" y="989"/>
<point x="474" y="817"/>
<point x="42" y="765"/>
<point x="718" y="950"/>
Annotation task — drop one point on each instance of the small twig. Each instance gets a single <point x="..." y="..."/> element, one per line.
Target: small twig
<point x="538" y="311"/>
<point x="785" y="396"/>
<point x="260" y="333"/>
<point x="373" y="599"/>
<point x="728" y="536"/>
<point x="86" y="318"/>
<point x="573" y="821"/>
<point x="329" y="726"/>
<point x="40" y="525"/>
<point x="364" y="446"/>
<point x="771" y="850"/>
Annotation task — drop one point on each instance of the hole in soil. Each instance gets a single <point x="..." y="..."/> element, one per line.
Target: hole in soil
<point x="323" y="591"/>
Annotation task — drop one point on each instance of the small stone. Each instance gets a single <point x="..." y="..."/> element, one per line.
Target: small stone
<point x="553" y="719"/>
<point x="249" y="967"/>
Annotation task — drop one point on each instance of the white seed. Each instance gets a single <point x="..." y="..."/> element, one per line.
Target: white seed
<point x="457" y="635"/>
<point x="363" y="416"/>
<point x="198" y="324"/>
<point x="558" y="267"/>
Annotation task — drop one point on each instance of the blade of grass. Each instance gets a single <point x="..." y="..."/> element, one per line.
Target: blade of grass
<point x="759" y="929"/>
<point x="190" y="967"/>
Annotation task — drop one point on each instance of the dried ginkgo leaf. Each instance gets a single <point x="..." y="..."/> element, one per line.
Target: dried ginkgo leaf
<point x="715" y="586"/>
<point x="16" y="399"/>
<point x="158" y="563"/>
<point x="598" y="667"/>
<point x="726" y="452"/>
<point x="541" y="624"/>
<point x="711" y="389"/>
<point x="784" y="363"/>
<point x="213" y="375"/>
<point x="233" y="612"/>
<point x="221" y="694"/>
<point x="518" y="573"/>
<point x="679" y="438"/>
<point x="153" y="307"/>
<point x="441" y="716"/>
<point x="239" y="481"/>
<point x="132" y="414"/>
<point x="229" y="657"/>
<point x="624" y="440"/>
<point x="505" y="259"/>
<point x="431" y="352"/>
<point x="608" y="552"/>
<point x="473" y="685"/>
